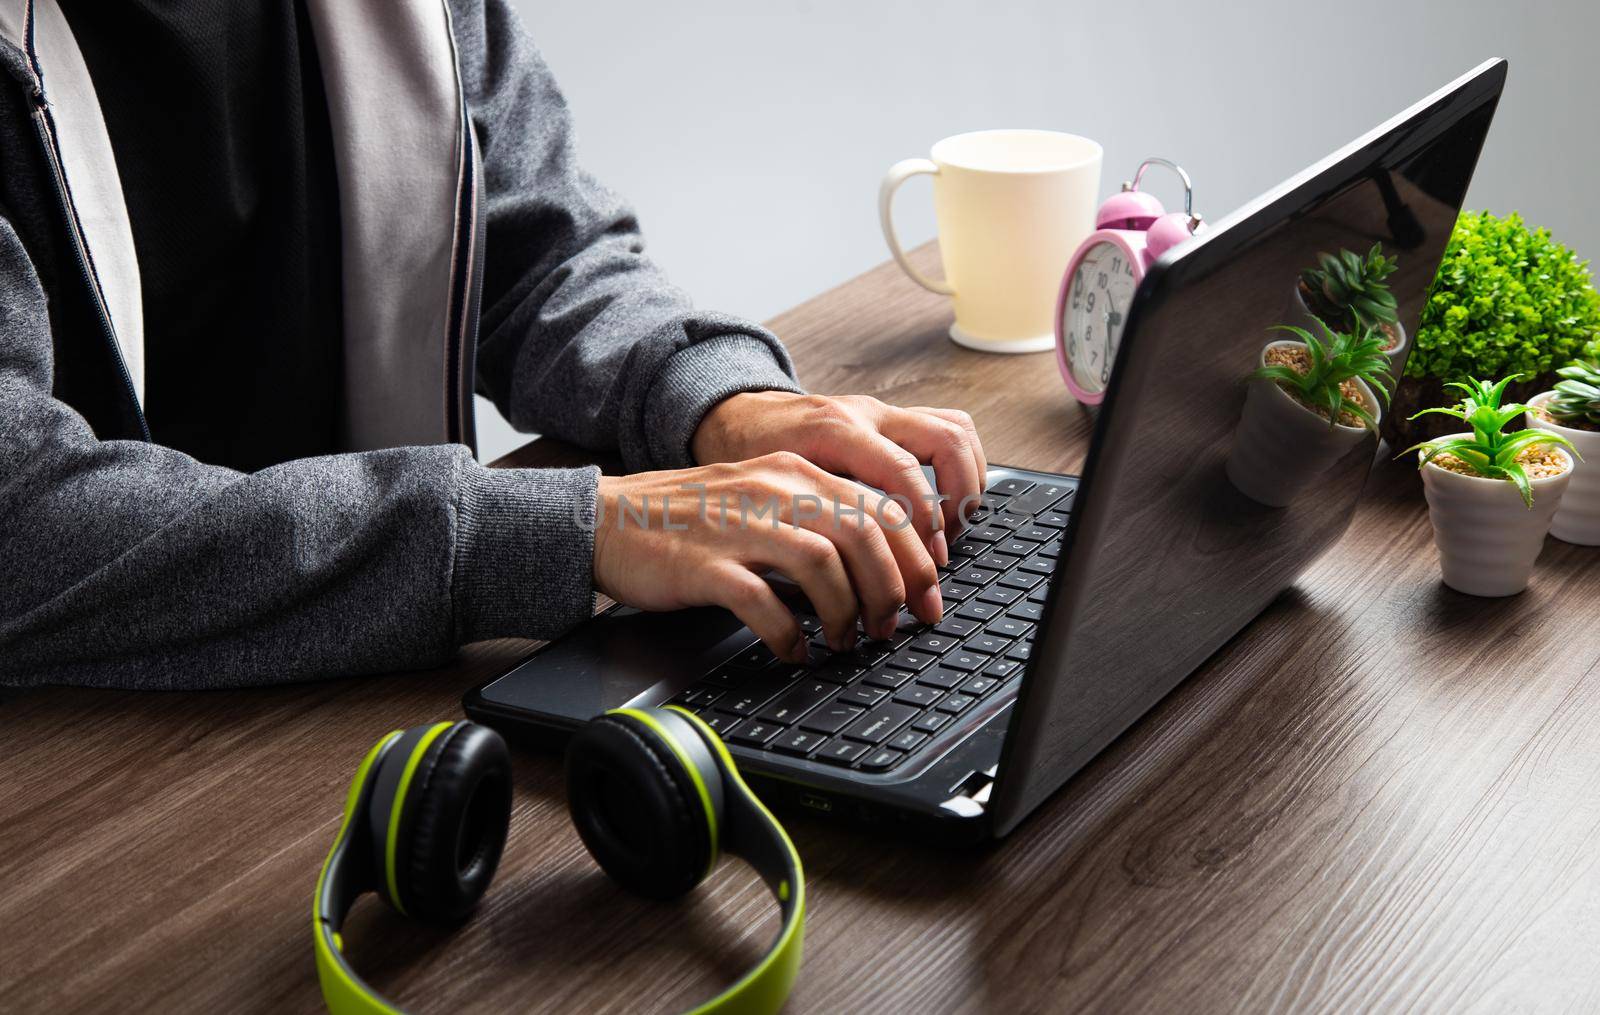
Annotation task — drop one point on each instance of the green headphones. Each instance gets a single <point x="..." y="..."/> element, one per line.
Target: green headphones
<point x="654" y="795"/>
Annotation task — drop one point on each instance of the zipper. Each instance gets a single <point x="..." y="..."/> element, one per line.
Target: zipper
<point x="44" y="126"/>
<point x="463" y="323"/>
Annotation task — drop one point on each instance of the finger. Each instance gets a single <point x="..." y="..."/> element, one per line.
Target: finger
<point x="848" y="521"/>
<point x="813" y="562"/>
<point x="964" y="421"/>
<point x="918" y="576"/>
<point x="947" y="447"/>
<point x="876" y="460"/>
<point x="752" y="600"/>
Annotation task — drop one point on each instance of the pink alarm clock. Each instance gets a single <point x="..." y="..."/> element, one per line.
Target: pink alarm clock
<point x="1132" y="229"/>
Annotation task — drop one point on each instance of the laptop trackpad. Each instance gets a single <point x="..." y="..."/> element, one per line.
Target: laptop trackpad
<point x="618" y="656"/>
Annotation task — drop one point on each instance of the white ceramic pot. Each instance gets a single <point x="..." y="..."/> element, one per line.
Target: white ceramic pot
<point x="1578" y="519"/>
<point x="1280" y="447"/>
<point x="1301" y="316"/>
<point x="1488" y="539"/>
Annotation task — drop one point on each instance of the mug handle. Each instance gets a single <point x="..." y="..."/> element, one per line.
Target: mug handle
<point x="899" y="173"/>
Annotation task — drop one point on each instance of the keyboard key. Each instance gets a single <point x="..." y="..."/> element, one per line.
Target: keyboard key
<point x="1051" y="550"/>
<point x="999" y="595"/>
<point x="1009" y="627"/>
<point x="1037" y="533"/>
<point x="788" y="707"/>
<point x="1011" y="488"/>
<point x="887" y="677"/>
<point x="1051" y="519"/>
<point x="978" y="611"/>
<point x="955" y="704"/>
<point x="756" y="657"/>
<point x="753" y="733"/>
<point x="748" y="698"/>
<point x="808" y="623"/>
<point x="977" y="577"/>
<point x="987" y="644"/>
<point x="1007" y="520"/>
<point x="933" y="642"/>
<point x="862" y="695"/>
<point x="942" y="678"/>
<point x="930" y="723"/>
<point x="876" y="726"/>
<point x="1027" y="611"/>
<point x="798" y="742"/>
<point x="986" y="534"/>
<point x="1020" y="651"/>
<point x="907" y="740"/>
<point x="1040" y="498"/>
<point x="919" y="696"/>
<point x="840" y="752"/>
<point x="1021" y="580"/>
<point x="881" y="760"/>
<point x="955" y="592"/>
<point x="839" y="670"/>
<point x="965" y="661"/>
<point x="1039" y="595"/>
<point x="967" y="548"/>
<point x="956" y="627"/>
<point x="979" y="686"/>
<point x="698" y="696"/>
<point x="718" y="722"/>
<point x="993" y="562"/>
<point x="1016" y="547"/>
<point x="829" y="719"/>
<point x="1002" y="668"/>
<point x="727" y="676"/>
<point x="907" y="659"/>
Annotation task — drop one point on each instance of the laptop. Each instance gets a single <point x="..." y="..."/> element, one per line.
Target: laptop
<point x="1072" y="604"/>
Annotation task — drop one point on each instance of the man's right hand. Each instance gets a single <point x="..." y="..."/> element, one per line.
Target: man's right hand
<point x="704" y="536"/>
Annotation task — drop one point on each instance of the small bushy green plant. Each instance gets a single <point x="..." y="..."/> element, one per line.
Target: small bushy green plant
<point x="1335" y="358"/>
<point x="1507" y="300"/>
<point x="1577" y="397"/>
<point x="1489" y="451"/>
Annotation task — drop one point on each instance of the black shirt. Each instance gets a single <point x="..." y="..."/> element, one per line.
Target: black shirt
<point x="219" y="123"/>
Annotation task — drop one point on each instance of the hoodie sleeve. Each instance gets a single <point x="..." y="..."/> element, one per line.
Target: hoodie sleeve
<point x="126" y="564"/>
<point x="582" y="336"/>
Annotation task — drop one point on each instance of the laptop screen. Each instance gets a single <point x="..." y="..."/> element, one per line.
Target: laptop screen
<point x="1206" y="494"/>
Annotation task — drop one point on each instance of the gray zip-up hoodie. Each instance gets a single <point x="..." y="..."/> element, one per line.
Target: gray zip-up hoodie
<point x="124" y="563"/>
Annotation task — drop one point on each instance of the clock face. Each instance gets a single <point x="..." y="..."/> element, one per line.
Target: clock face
<point x="1095" y="311"/>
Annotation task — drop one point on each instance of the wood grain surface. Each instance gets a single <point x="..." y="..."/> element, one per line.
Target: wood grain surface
<point x="1381" y="796"/>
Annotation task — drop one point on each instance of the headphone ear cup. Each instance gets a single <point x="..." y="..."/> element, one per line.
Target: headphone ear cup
<point x="454" y="819"/>
<point x="637" y="809"/>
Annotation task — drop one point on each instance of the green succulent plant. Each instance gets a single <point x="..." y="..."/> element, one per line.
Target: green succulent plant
<point x="1353" y="287"/>
<point x="1337" y="357"/>
<point x="1577" y="397"/>
<point x="1507" y="299"/>
<point x="1490" y="451"/>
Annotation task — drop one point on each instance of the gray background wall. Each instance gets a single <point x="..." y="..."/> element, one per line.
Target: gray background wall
<point x="751" y="135"/>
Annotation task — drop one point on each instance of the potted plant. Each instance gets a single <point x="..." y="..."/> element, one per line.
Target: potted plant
<point x="1349" y="291"/>
<point x="1491" y="494"/>
<point x="1307" y="404"/>
<point x="1507" y="299"/>
<point x="1572" y="410"/>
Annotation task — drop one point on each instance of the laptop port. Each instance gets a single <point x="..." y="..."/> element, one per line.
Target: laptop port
<point x="815" y="802"/>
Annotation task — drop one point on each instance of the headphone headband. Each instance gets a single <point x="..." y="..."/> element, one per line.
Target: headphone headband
<point x="374" y="828"/>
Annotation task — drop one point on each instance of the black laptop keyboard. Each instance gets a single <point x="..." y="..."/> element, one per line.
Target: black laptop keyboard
<point x="872" y="708"/>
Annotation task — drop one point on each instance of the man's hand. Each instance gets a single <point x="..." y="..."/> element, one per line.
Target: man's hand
<point x="864" y="438"/>
<point x="703" y="536"/>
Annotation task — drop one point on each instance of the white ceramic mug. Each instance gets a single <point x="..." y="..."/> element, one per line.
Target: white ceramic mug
<point x="1012" y="206"/>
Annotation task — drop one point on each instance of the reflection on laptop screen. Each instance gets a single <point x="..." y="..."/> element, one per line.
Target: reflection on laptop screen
<point x="1207" y="493"/>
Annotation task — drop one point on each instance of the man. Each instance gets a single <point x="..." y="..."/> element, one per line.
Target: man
<point x="254" y="258"/>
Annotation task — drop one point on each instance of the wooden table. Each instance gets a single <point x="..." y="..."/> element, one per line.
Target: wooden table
<point x="1382" y="795"/>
